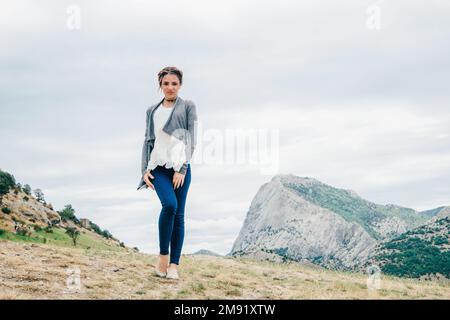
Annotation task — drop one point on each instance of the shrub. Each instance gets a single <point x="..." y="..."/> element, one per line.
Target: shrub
<point x="106" y="234"/>
<point x="18" y="220"/>
<point x="23" y="231"/>
<point x="6" y="210"/>
<point x="438" y="240"/>
<point x="54" y="222"/>
<point x="96" y="228"/>
<point x="26" y="198"/>
<point x="27" y="189"/>
<point x="2" y="232"/>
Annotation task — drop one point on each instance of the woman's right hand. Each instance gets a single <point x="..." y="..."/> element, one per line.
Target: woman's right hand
<point x="147" y="180"/>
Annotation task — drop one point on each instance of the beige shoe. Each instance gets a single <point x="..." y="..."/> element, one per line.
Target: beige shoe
<point x="172" y="274"/>
<point x="160" y="273"/>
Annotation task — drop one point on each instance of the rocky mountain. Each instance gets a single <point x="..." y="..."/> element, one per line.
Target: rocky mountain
<point x="206" y="253"/>
<point x="303" y="219"/>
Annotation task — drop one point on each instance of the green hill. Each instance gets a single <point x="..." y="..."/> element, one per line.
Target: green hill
<point x="28" y="218"/>
<point x="371" y="216"/>
<point x="419" y="252"/>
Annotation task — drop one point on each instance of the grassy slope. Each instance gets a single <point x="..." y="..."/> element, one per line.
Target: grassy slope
<point x="59" y="238"/>
<point x="31" y="271"/>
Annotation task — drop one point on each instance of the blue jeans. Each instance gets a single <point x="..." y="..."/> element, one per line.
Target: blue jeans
<point x="171" y="218"/>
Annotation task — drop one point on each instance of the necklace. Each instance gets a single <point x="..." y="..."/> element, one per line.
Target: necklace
<point x="172" y="100"/>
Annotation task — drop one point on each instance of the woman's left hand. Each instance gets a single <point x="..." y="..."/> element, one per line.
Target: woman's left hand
<point x="178" y="180"/>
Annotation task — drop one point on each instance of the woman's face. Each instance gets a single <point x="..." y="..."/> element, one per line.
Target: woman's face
<point x="170" y="86"/>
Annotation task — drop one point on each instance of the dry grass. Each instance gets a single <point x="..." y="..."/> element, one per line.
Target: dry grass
<point x="38" y="271"/>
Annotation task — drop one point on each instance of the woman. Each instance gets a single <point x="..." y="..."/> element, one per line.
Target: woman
<point x="170" y="140"/>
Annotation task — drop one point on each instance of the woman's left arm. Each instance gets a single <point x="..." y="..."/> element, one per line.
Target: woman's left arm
<point x="192" y="125"/>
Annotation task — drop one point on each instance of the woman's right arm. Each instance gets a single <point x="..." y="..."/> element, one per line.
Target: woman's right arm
<point x="144" y="161"/>
<point x="144" y="158"/>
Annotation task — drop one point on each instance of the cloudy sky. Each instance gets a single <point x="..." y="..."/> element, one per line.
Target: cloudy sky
<point x="354" y="94"/>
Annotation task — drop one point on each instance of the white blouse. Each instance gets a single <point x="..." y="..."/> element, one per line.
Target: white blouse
<point x="167" y="150"/>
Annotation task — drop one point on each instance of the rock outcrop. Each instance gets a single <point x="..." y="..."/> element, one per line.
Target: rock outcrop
<point x="303" y="219"/>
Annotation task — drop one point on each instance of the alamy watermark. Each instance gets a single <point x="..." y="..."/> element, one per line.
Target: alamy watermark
<point x="73" y="21"/>
<point x="257" y="147"/>
<point x="73" y="280"/>
<point x="373" y="12"/>
<point x="374" y="279"/>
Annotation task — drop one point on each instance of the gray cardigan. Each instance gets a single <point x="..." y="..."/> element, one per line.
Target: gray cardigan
<point x="182" y="124"/>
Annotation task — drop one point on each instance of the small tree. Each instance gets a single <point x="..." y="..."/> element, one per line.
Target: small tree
<point x="7" y="182"/>
<point x="68" y="213"/>
<point x="27" y="189"/>
<point x="106" y="234"/>
<point x="73" y="233"/>
<point x="6" y="210"/>
<point x="39" y="195"/>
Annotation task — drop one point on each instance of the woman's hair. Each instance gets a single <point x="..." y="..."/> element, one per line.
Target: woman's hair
<point x="170" y="70"/>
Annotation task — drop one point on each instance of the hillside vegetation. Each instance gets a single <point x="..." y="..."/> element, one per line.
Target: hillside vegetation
<point x="25" y="217"/>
